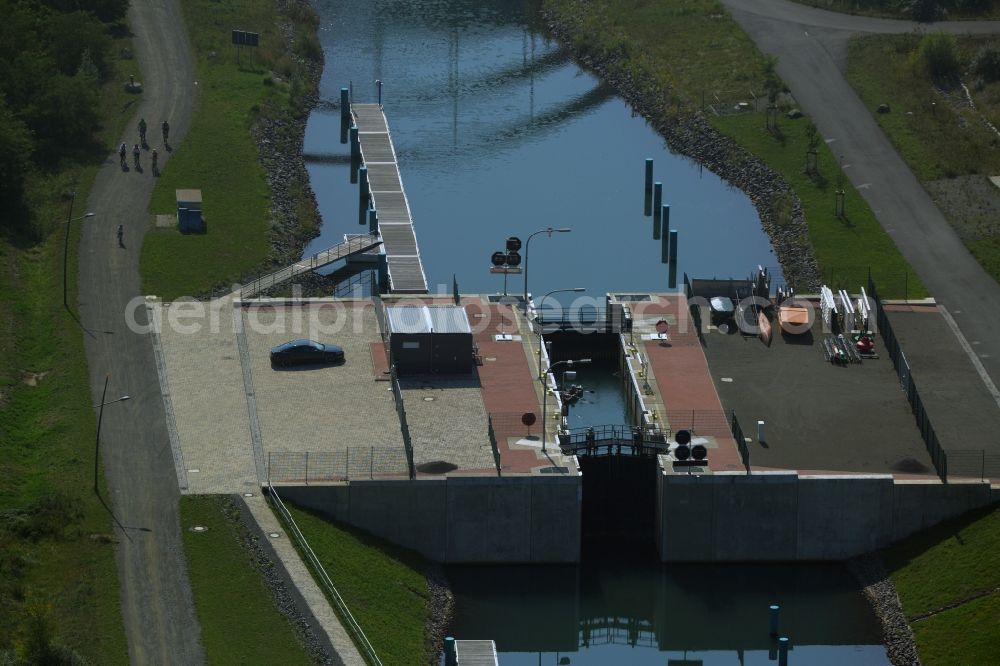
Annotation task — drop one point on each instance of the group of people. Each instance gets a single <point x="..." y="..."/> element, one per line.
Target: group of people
<point x="137" y="151"/>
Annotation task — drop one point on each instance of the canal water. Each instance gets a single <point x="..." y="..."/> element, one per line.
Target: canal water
<point x="499" y="134"/>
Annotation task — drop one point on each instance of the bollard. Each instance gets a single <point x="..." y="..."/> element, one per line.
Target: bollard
<point x="783" y="651"/>
<point x="672" y="258"/>
<point x="665" y="245"/>
<point x="378" y="82"/>
<point x="363" y="192"/>
<point x="345" y="114"/>
<point x="773" y="609"/>
<point x="450" y="657"/>
<point x="760" y="438"/>
<point x="372" y="220"/>
<point x="647" y="208"/>
<point x="657" y="204"/>
<point x="355" y="153"/>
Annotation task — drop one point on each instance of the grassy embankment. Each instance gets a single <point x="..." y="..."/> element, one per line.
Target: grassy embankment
<point x="695" y="52"/>
<point x="219" y="156"/>
<point x="948" y="580"/>
<point x="382" y="585"/>
<point x="941" y="138"/>
<point x="245" y="626"/>
<point x="57" y="562"/>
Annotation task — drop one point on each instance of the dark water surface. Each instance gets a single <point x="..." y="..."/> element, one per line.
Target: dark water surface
<point x="498" y="133"/>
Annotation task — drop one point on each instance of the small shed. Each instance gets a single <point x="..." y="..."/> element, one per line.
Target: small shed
<point x="189" y="216"/>
<point x="430" y="339"/>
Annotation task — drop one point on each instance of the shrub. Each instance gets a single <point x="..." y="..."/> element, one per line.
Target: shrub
<point x="987" y="63"/>
<point x="939" y="53"/>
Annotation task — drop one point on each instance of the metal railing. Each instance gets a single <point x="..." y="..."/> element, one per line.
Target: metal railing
<point x="493" y="443"/>
<point x="613" y="440"/>
<point x="895" y="351"/>
<point x="352" y="626"/>
<point x="351" y="464"/>
<point x="694" y="308"/>
<point x="404" y="427"/>
<point x="704" y="422"/>
<point x="318" y="260"/>
<point x="741" y="442"/>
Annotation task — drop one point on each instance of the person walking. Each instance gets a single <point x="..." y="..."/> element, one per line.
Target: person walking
<point x="121" y="235"/>
<point x="154" y="156"/>
<point x="142" y="131"/>
<point x="135" y="155"/>
<point x="166" y="131"/>
<point x="122" y="150"/>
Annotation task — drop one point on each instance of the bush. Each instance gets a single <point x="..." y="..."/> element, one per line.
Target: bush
<point x="987" y="63"/>
<point x="939" y="53"/>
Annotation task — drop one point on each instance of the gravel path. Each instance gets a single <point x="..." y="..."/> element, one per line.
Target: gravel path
<point x="157" y="607"/>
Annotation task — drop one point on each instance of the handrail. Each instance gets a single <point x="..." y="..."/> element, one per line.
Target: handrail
<point x="360" y="640"/>
<point x="351" y="245"/>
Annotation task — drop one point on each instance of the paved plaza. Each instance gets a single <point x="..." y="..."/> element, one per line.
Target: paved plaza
<point x="203" y="381"/>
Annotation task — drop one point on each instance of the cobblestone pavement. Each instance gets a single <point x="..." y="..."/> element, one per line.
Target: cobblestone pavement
<point x="205" y="385"/>
<point x="320" y="408"/>
<point x="447" y="421"/>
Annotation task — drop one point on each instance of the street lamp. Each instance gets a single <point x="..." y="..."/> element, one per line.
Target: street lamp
<point x="527" y="243"/>
<point x="541" y="341"/>
<point x="545" y="389"/>
<point x="100" y="418"/>
<point x="69" y="218"/>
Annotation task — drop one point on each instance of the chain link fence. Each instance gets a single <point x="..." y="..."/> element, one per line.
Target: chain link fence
<point x="351" y="464"/>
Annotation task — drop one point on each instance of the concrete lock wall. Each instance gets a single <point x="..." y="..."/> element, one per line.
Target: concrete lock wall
<point x="783" y="516"/>
<point x="460" y="519"/>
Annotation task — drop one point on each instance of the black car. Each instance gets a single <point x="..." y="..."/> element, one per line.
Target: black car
<point x="296" y="352"/>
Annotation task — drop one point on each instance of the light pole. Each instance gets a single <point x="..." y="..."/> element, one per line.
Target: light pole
<point x="69" y="218"/>
<point x="541" y="341"/>
<point x="527" y="243"/>
<point x="545" y="389"/>
<point x="100" y="417"/>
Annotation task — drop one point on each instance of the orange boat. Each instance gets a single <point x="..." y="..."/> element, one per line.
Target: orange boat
<point x="793" y="319"/>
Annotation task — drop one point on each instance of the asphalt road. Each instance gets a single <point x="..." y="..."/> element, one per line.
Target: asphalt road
<point x="157" y="608"/>
<point x="811" y="46"/>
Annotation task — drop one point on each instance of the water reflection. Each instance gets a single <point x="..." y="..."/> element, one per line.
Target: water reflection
<point x="617" y="608"/>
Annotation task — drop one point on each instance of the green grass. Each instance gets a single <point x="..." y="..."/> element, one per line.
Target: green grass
<point x="240" y="623"/>
<point x="964" y="636"/>
<point x="383" y="586"/>
<point x="219" y="157"/>
<point x="938" y="135"/>
<point x="691" y="49"/>
<point x="950" y="564"/>
<point x="56" y="539"/>
<point x="845" y="248"/>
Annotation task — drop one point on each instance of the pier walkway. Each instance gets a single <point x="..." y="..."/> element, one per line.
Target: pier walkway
<point x="395" y="222"/>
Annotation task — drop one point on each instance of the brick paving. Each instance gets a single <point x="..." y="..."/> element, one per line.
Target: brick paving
<point x="683" y="379"/>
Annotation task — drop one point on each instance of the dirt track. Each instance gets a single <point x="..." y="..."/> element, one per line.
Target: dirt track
<point x="157" y="607"/>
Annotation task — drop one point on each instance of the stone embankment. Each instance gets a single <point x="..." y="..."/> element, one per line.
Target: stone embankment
<point x="691" y="135"/>
<point x="881" y="594"/>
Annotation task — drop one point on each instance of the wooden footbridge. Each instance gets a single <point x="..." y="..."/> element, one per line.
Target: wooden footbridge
<point x="388" y="198"/>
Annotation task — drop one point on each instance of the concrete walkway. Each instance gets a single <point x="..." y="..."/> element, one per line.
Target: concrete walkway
<point x="345" y="652"/>
<point x="811" y="46"/>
